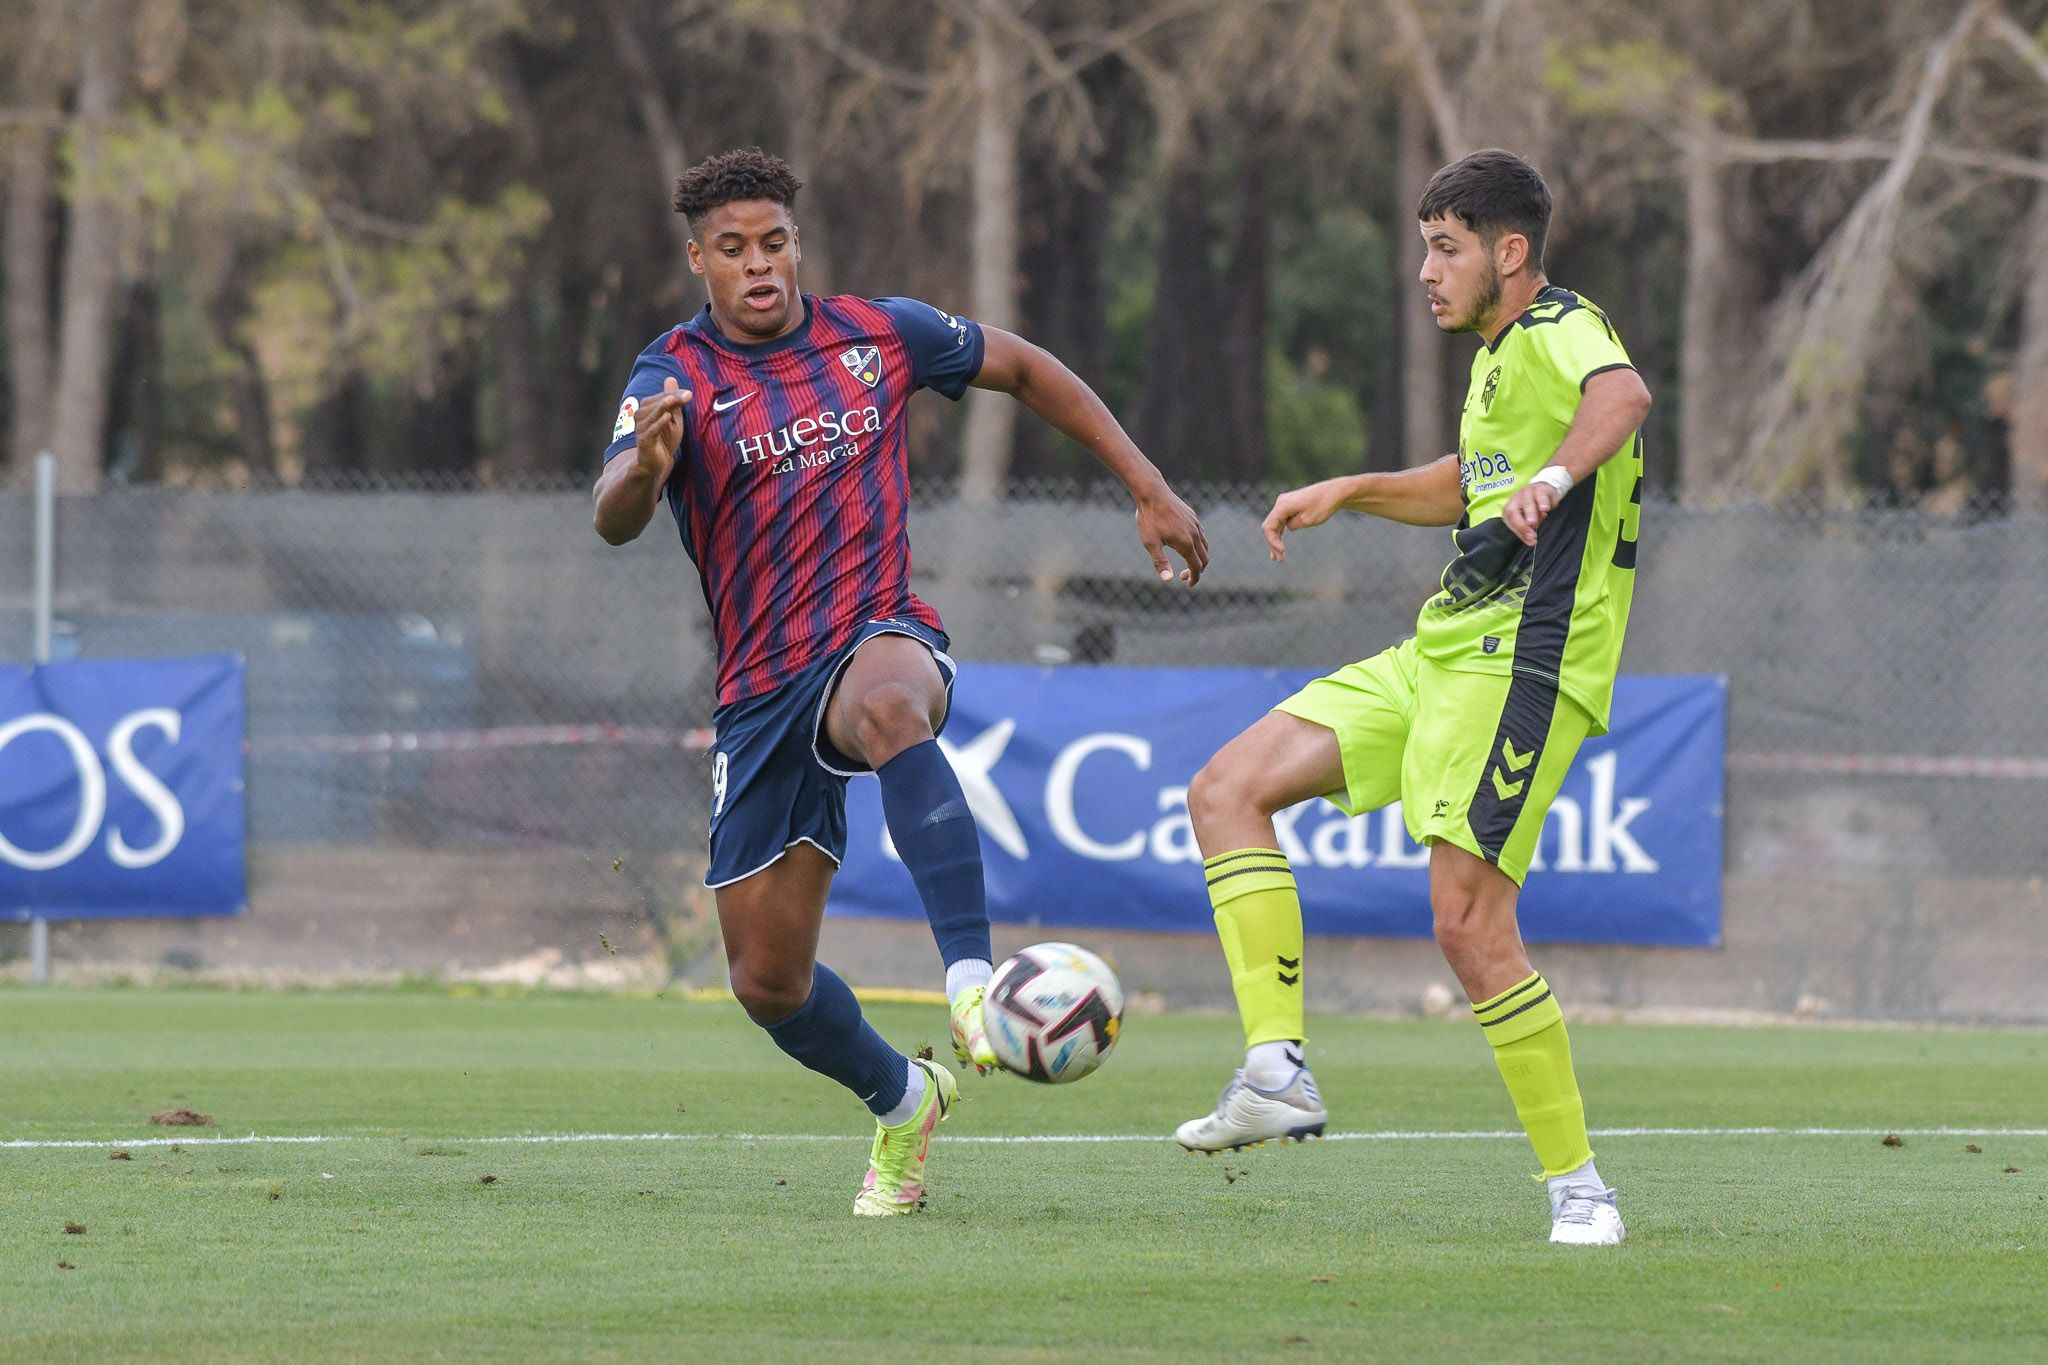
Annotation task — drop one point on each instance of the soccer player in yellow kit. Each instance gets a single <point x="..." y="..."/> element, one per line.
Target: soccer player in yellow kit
<point x="1473" y="722"/>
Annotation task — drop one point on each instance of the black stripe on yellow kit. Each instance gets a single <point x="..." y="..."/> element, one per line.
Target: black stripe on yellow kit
<point x="1259" y="859"/>
<point x="1486" y="1007"/>
<point x="1531" y="702"/>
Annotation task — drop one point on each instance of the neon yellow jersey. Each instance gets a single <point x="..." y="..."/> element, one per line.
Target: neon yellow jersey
<point x="1556" y="612"/>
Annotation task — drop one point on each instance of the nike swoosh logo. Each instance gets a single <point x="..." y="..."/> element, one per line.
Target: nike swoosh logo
<point x="717" y="406"/>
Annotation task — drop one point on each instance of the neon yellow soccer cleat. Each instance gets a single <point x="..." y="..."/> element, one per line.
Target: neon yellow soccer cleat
<point x="895" y="1179"/>
<point x="970" y="1039"/>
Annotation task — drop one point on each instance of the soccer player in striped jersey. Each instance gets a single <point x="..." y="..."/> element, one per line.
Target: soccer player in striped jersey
<point x="773" y="424"/>
<point x="1472" y="723"/>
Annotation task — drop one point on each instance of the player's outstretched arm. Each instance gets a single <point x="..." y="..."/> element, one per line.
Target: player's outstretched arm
<point x="1428" y="495"/>
<point x="1037" y="379"/>
<point x="1611" y="409"/>
<point x="630" y="488"/>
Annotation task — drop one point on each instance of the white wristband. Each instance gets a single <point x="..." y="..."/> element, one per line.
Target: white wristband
<point x="1557" y="476"/>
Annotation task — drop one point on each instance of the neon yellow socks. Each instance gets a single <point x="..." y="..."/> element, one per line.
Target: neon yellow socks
<point x="1526" y="1027"/>
<point x="1258" y="917"/>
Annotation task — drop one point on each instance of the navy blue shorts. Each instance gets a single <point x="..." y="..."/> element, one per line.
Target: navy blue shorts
<point x="776" y="779"/>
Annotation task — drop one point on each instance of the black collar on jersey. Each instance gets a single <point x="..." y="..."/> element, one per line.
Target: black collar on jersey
<point x="1549" y="293"/>
<point x="708" y="329"/>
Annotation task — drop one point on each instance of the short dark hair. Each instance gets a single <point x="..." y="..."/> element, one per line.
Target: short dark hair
<point x="1493" y="191"/>
<point x="743" y="173"/>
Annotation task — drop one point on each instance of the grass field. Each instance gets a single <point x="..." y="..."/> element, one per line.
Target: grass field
<point x="412" y="1232"/>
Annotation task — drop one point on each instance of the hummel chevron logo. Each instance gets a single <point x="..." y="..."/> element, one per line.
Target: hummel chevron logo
<point x="1288" y="964"/>
<point x="1507" y="791"/>
<point x="1516" y="762"/>
<point x="721" y="404"/>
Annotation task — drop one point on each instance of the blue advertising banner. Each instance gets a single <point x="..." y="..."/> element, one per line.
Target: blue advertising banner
<point x="121" y="789"/>
<point x="1078" y="779"/>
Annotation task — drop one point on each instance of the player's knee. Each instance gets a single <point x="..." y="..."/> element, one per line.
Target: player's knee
<point x="1460" y="923"/>
<point x="770" y="992"/>
<point x="889" y="719"/>
<point x="1221" y="790"/>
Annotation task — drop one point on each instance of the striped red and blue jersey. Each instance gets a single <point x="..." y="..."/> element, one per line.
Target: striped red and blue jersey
<point x="792" y="483"/>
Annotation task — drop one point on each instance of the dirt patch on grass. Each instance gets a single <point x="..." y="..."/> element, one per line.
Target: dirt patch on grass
<point x="182" y="1118"/>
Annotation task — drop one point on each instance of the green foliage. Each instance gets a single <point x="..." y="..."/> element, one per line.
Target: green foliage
<point x="1317" y="427"/>
<point x="355" y="186"/>
<point x="423" y="298"/>
<point x="1639" y="78"/>
<point x="264" y="179"/>
<point x="1332" y="325"/>
<point x="1330" y="290"/>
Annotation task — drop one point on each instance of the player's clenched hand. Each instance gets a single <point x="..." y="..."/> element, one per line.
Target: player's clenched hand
<point x="1526" y="510"/>
<point x="1163" y="521"/>
<point x="658" y="426"/>
<point x="1299" y="509"/>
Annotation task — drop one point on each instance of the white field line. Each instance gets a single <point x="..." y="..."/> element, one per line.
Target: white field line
<point x="552" y="1139"/>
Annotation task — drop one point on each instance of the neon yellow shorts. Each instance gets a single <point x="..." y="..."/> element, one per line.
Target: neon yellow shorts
<point x="1475" y="759"/>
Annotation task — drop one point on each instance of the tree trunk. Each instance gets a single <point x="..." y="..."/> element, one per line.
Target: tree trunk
<point x="656" y="121"/>
<point x="1242" y="345"/>
<point x="1065" y="300"/>
<point x="998" y="116"/>
<point x="135" y="406"/>
<point x="1707" y="429"/>
<point x="92" y="251"/>
<point x="1424" y="350"/>
<point x="805" y="91"/>
<point x="581" y="401"/>
<point x="255" y="435"/>
<point x="1642" y="330"/>
<point x="522" y="453"/>
<point x="441" y="429"/>
<point x="248" y="387"/>
<point x="1172" y="420"/>
<point x="2030" y="369"/>
<point x="1385" y="437"/>
<point x="336" y="435"/>
<point x="30" y="203"/>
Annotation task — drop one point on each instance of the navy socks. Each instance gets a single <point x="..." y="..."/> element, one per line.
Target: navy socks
<point x="935" y="836"/>
<point x="829" y="1036"/>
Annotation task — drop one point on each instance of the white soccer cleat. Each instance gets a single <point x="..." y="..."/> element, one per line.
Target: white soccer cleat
<point x="1246" y="1116"/>
<point x="1585" y="1216"/>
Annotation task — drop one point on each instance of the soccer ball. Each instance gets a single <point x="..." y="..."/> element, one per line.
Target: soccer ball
<point x="1053" y="1012"/>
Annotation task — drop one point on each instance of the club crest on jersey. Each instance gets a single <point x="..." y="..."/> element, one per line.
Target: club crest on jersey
<point x="1486" y="393"/>
<point x="863" y="363"/>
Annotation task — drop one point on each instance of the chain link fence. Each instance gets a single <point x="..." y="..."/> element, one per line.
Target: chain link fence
<point x="476" y="733"/>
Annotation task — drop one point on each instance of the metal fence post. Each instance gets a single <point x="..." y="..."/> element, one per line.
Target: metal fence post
<point x="45" y="589"/>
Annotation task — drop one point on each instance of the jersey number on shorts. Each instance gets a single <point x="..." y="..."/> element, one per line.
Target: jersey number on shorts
<point x="717" y="783"/>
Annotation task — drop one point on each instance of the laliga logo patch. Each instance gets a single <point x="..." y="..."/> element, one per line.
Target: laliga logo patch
<point x="864" y="363"/>
<point x="624" y="426"/>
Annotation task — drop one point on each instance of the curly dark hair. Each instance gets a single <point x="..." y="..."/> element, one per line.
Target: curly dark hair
<point x="743" y="173"/>
<point x="1493" y="191"/>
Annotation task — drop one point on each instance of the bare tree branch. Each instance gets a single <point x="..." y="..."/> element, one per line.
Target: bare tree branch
<point x="1429" y="76"/>
<point x="1054" y="73"/>
<point x="2021" y="42"/>
<point x="660" y="125"/>
<point x="825" y="40"/>
<point x="1091" y="44"/>
<point x="1764" y="151"/>
<point x="1827" y="324"/>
